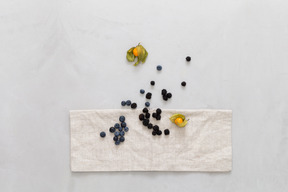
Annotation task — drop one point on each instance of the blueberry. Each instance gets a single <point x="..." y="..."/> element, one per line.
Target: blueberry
<point x="120" y="128"/>
<point x="115" y="138"/>
<point x="159" y="132"/>
<point x="159" y="67"/>
<point x="102" y="134"/>
<point x="112" y="129"/>
<point x="147" y="115"/>
<point x="123" y="124"/>
<point x="169" y="95"/>
<point x="146" y="122"/>
<point x="188" y="58"/>
<point x="126" y="129"/>
<point x="158" y="117"/>
<point x="141" y="117"/>
<point x="133" y="105"/>
<point x="122" y="139"/>
<point x="156" y="128"/>
<point x="166" y="132"/>
<point x="150" y="126"/>
<point x="183" y="83"/>
<point x="116" y="133"/>
<point x="128" y="102"/>
<point x="117" y="142"/>
<point x="147" y="104"/>
<point x="152" y="83"/>
<point x="154" y="115"/>
<point x="123" y="103"/>
<point x="122" y="118"/>
<point x="145" y="110"/>
<point x="154" y="133"/>
<point x="148" y="95"/>
<point x="163" y="92"/>
<point x="122" y="133"/>
<point x="165" y="98"/>
<point x="142" y="91"/>
<point x="116" y="125"/>
<point x="158" y="111"/>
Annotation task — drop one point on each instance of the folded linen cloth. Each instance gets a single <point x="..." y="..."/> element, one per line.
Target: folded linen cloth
<point x="204" y="144"/>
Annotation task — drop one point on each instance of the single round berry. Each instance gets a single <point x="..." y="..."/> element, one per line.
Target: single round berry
<point x="147" y="104"/>
<point x="147" y="115"/>
<point x="158" y="111"/>
<point x="188" y="58"/>
<point x="159" y="132"/>
<point x="122" y="133"/>
<point x="123" y="103"/>
<point x="166" y="132"/>
<point x="112" y="129"/>
<point x="128" y="102"/>
<point x="152" y="83"/>
<point x="158" y="117"/>
<point x="120" y="129"/>
<point x="183" y="83"/>
<point x="122" y="118"/>
<point x="115" y="138"/>
<point x="163" y="92"/>
<point x="165" y="98"/>
<point x="142" y="91"/>
<point x="145" y="110"/>
<point x="146" y="122"/>
<point x="159" y="67"/>
<point x="141" y="117"/>
<point x="102" y="134"/>
<point x="122" y="139"/>
<point x="117" y="125"/>
<point x="123" y="124"/>
<point x="156" y="128"/>
<point x="169" y="95"/>
<point x="154" y="115"/>
<point x="117" y="142"/>
<point x="154" y="133"/>
<point x="148" y="95"/>
<point x="133" y="105"/>
<point x="116" y="133"/>
<point x="126" y="129"/>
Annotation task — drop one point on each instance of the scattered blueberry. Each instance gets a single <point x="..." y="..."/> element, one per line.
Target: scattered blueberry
<point x="188" y="58"/>
<point x="183" y="83"/>
<point x="165" y="98"/>
<point x="116" y="133"/>
<point x="141" y="117"/>
<point x="126" y="129"/>
<point x="122" y="139"/>
<point x="166" y="132"/>
<point x="122" y="118"/>
<point x="116" y="125"/>
<point x="169" y="95"/>
<point x="133" y="105"/>
<point x="147" y="104"/>
<point x="142" y="91"/>
<point x="117" y="142"/>
<point x="156" y="128"/>
<point x="112" y="129"/>
<point x="159" y="132"/>
<point x="123" y="103"/>
<point x="154" y="115"/>
<point x="148" y="95"/>
<point x="152" y="83"/>
<point x="145" y="110"/>
<point x="120" y="128"/>
<point x="122" y="133"/>
<point x="115" y="138"/>
<point x="102" y="134"/>
<point x="158" y="111"/>
<point x="158" y="117"/>
<point x="147" y="115"/>
<point x="154" y="133"/>
<point x="123" y="124"/>
<point x="128" y="102"/>
<point x="164" y="92"/>
<point x="159" y="67"/>
<point x="146" y="122"/>
<point x="150" y="126"/>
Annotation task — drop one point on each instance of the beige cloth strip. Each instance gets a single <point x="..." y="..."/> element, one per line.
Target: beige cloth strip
<point x="203" y="145"/>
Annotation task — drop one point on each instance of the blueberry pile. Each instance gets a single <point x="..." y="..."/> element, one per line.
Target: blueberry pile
<point x="157" y="115"/>
<point x="129" y="103"/>
<point x="166" y="95"/>
<point x="119" y="131"/>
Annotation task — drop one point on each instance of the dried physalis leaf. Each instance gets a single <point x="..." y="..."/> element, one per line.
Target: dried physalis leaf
<point x="179" y="120"/>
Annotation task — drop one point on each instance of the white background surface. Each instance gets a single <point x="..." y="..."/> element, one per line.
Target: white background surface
<point x="70" y="54"/>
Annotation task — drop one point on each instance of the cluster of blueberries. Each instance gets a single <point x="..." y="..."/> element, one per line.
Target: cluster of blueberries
<point x="129" y="103"/>
<point x="145" y="118"/>
<point x="119" y="131"/>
